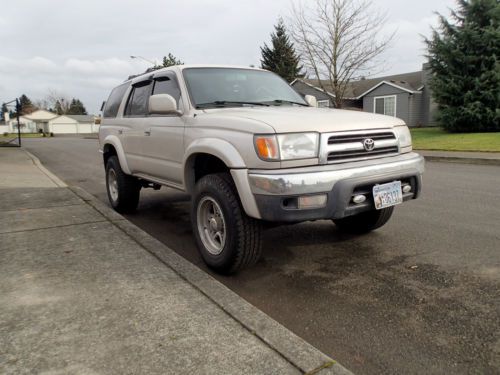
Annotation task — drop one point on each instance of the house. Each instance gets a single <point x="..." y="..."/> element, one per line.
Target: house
<point x="4" y="128"/>
<point x="73" y="124"/>
<point x="407" y="96"/>
<point x="50" y="122"/>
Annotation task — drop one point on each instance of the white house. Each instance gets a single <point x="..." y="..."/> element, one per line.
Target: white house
<point x="73" y="124"/>
<point x="49" y="122"/>
<point x="31" y="123"/>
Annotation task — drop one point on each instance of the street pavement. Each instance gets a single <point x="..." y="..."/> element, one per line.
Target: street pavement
<point x="83" y="291"/>
<point x="420" y="295"/>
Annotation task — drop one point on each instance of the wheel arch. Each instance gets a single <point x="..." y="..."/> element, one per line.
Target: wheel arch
<point x="218" y="152"/>
<point x="112" y="146"/>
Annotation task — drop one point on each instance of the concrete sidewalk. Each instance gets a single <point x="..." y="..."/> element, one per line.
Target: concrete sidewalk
<point x="84" y="291"/>
<point x="481" y="158"/>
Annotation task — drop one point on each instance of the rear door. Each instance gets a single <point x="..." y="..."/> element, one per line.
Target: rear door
<point x="163" y="143"/>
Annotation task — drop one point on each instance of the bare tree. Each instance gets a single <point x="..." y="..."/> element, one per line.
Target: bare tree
<point x="57" y="101"/>
<point x="338" y="40"/>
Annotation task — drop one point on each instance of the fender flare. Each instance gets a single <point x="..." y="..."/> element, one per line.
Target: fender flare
<point x="219" y="148"/>
<point x="115" y="142"/>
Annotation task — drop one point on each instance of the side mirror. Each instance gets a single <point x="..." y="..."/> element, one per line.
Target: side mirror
<point x="162" y="104"/>
<point x="311" y="100"/>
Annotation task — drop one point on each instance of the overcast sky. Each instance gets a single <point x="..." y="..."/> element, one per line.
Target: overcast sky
<point x="82" y="48"/>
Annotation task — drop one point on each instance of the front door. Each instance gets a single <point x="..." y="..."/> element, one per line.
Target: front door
<point x="163" y="143"/>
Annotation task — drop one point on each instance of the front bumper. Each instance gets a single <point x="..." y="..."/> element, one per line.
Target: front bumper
<point x="273" y="189"/>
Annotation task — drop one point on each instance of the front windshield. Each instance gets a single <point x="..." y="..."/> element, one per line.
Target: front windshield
<point x="229" y="87"/>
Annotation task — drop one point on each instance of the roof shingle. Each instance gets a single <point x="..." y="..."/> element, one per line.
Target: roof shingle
<point x="409" y="81"/>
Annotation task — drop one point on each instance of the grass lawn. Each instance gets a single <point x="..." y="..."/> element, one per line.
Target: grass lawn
<point x="439" y="140"/>
<point x="23" y="135"/>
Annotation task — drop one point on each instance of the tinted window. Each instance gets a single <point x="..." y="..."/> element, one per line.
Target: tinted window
<point x="114" y="100"/>
<point x="166" y="85"/>
<point x="138" y="101"/>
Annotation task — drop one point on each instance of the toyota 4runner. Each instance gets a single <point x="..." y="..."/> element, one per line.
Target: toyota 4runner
<point x="249" y="150"/>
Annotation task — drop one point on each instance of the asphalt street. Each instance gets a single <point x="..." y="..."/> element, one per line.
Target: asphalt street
<point x="420" y="295"/>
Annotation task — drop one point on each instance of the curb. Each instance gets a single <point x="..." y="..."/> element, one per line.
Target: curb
<point x="455" y="159"/>
<point x="291" y="347"/>
<point x="56" y="180"/>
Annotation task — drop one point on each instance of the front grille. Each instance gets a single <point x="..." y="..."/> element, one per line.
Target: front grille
<point x="348" y="138"/>
<point x="348" y="146"/>
<point x="339" y="155"/>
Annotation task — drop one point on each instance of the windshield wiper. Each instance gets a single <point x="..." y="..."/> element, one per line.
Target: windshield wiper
<point x="223" y="103"/>
<point x="281" y="101"/>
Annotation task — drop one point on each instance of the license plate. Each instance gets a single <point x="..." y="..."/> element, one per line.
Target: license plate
<point x="387" y="195"/>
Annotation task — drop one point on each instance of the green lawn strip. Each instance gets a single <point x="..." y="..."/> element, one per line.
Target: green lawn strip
<point x="437" y="139"/>
<point x="23" y="135"/>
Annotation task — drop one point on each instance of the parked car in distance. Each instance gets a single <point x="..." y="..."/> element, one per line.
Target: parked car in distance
<point x="249" y="150"/>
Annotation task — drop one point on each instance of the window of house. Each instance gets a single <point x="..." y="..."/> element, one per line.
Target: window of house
<point x="323" y="103"/>
<point x="137" y="104"/>
<point x="167" y="85"/>
<point x="114" y="101"/>
<point x="385" y="105"/>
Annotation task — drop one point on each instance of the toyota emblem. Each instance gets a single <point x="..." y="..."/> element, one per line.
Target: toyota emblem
<point x="368" y="144"/>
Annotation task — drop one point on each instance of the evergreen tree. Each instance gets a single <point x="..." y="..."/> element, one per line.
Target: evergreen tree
<point x="58" y="108"/>
<point x="25" y="104"/>
<point x="4" y="110"/>
<point x="281" y="57"/>
<point x="463" y="56"/>
<point x="76" y="107"/>
<point x="170" y="60"/>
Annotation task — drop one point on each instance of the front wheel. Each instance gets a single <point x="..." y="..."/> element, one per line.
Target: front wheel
<point x="364" y="222"/>
<point x="227" y="238"/>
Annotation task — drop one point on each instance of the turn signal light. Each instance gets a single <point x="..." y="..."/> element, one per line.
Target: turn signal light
<point x="312" y="201"/>
<point x="267" y="147"/>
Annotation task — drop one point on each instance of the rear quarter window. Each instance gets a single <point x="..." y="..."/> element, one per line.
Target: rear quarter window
<point x="114" y="101"/>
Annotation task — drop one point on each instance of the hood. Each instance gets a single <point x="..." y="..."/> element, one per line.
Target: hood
<point x="287" y="119"/>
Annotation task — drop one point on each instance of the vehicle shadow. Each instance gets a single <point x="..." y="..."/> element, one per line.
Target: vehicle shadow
<point x="166" y="216"/>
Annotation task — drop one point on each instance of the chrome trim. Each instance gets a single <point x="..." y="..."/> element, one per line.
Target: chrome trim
<point x="322" y="179"/>
<point x="325" y="149"/>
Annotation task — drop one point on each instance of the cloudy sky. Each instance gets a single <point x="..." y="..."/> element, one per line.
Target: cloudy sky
<point x="82" y="48"/>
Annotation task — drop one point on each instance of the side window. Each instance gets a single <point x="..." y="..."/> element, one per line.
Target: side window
<point x="167" y="85"/>
<point x="137" y="104"/>
<point x="114" y="100"/>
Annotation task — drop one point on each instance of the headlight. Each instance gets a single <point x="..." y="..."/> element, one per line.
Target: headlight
<point x="298" y="145"/>
<point x="404" y="136"/>
<point x="287" y="146"/>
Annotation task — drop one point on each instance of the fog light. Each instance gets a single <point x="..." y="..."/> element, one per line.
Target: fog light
<point x="406" y="189"/>
<point x="359" y="199"/>
<point x="312" y="201"/>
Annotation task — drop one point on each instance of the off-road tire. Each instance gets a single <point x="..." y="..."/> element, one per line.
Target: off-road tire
<point x="243" y="243"/>
<point x="128" y="187"/>
<point x="364" y="222"/>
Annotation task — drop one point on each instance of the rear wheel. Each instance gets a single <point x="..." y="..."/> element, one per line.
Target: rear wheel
<point x="364" y="222"/>
<point x="227" y="238"/>
<point x="123" y="190"/>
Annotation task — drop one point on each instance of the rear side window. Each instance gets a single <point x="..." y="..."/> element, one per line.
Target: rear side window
<point x="114" y="101"/>
<point x="167" y="85"/>
<point x="137" y="104"/>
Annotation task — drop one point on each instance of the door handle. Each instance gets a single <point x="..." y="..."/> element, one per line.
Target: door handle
<point x="147" y="132"/>
<point x="120" y="131"/>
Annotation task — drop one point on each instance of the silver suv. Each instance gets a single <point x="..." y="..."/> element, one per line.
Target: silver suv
<point x="249" y="149"/>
